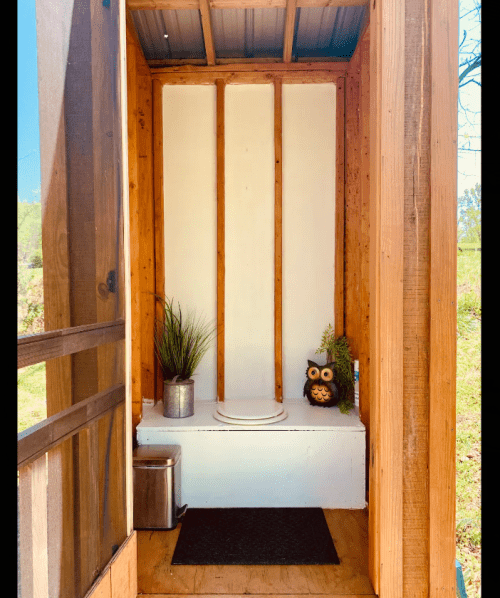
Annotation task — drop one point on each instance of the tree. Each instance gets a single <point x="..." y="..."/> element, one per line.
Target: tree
<point x="29" y="231"/>
<point x="469" y="50"/>
<point x="469" y="58"/>
<point x="469" y="218"/>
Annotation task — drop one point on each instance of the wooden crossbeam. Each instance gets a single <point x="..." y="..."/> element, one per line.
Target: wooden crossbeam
<point x="36" y="348"/>
<point x="281" y="68"/>
<point x="206" y="22"/>
<point x="40" y="438"/>
<point x="196" y="4"/>
<point x="291" y="11"/>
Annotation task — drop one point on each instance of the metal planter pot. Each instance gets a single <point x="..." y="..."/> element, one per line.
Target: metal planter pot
<point x="178" y="398"/>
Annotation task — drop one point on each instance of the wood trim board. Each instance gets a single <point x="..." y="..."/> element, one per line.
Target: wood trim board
<point x="278" y="242"/>
<point x="339" y="324"/>
<point x="46" y="435"/>
<point x="220" y="83"/>
<point x="66" y="341"/>
<point x="443" y="292"/>
<point x="195" y="4"/>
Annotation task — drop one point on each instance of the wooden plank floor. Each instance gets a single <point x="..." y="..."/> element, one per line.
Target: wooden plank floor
<point x="349" y="530"/>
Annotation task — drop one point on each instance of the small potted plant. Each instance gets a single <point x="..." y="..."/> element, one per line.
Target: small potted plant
<point x="181" y="342"/>
<point x="337" y="350"/>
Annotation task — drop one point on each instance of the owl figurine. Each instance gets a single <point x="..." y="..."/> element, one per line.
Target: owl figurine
<point x="320" y="389"/>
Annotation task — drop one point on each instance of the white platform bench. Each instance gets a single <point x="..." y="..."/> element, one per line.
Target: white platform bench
<point x="313" y="458"/>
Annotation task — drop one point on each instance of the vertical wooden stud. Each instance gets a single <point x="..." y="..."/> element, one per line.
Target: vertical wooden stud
<point x="133" y="177"/>
<point x="278" y="220"/>
<point x="386" y="295"/>
<point x="159" y="217"/>
<point x="291" y="11"/>
<point x="340" y="211"/>
<point x="443" y="288"/>
<point x="220" y="238"/>
<point x="33" y="529"/>
<point x="206" y="21"/>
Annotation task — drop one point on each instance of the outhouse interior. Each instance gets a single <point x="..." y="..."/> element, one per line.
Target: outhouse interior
<point x="275" y="166"/>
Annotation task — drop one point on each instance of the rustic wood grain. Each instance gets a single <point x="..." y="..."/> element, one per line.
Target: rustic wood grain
<point x="146" y="226"/>
<point x="340" y="210"/>
<point x="33" y="529"/>
<point x="364" y="235"/>
<point x="49" y="345"/>
<point x="208" y="38"/>
<point x="278" y="242"/>
<point x="195" y="4"/>
<point x="52" y="431"/>
<point x="220" y="238"/>
<point x="416" y="302"/>
<point x="352" y="254"/>
<point x="159" y="217"/>
<point x="291" y="11"/>
<point x="349" y="532"/>
<point x="245" y="77"/>
<point x="119" y="578"/>
<point x="386" y="295"/>
<point x="443" y="288"/>
<point x="248" y="65"/>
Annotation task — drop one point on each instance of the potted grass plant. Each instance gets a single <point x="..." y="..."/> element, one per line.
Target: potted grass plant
<point x="337" y="350"/>
<point x="181" y="341"/>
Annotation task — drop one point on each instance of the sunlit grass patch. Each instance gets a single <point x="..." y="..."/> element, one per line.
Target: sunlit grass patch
<point x="468" y="431"/>
<point x="31" y="401"/>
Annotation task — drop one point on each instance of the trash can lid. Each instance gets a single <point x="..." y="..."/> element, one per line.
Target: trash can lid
<point x="156" y="455"/>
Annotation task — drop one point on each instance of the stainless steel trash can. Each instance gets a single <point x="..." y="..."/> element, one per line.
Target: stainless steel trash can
<point x="157" y="486"/>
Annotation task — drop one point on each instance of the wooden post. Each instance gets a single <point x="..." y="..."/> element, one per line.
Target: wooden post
<point x="443" y="289"/>
<point x="278" y="245"/>
<point x="220" y="237"/>
<point x="386" y="296"/>
<point x="413" y="93"/>
<point x="339" y="325"/>
<point x="159" y="218"/>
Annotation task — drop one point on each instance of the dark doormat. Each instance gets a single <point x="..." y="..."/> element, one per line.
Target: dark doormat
<point x="253" y="536"/>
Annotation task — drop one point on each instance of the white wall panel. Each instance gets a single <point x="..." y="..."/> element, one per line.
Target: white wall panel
<point x="249" y="241"/>
<point x="308" y="226"/>
<point x="189" y="150"/>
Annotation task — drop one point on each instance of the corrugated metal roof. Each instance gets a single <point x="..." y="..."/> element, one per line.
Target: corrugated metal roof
<point x="328" y="31"/>
<point x="183" y="27"/>
<point x="250" y="33"/>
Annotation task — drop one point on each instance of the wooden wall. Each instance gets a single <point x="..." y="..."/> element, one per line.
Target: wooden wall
<point x="413" y="110"/>
<point x="356" y="240"/>
<point x="142" y="224"/>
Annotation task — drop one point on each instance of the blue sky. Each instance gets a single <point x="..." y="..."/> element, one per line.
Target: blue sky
<point x="28" y="180"/>
<point x="28" y="139"/>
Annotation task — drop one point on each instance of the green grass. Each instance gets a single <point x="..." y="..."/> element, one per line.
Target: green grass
<point x="468" y="448"/>
<point x="31" y="402"/>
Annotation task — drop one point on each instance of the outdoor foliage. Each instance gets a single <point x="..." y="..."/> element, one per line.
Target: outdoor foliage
<point x="29" y="268"/>
<point x="469" y="216"/>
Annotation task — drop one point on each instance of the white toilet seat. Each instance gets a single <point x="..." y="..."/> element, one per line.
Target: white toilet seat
<point x="250" y="412"/>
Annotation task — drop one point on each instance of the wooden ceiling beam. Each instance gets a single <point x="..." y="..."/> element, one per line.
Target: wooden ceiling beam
<point x="206" y="22"/>
<point x="252" y="77"/>
<point x="278" y="68"/>
<point x="291" y="11"/>
<point x="196" y="4"/>
<point x="244" y="63"/>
